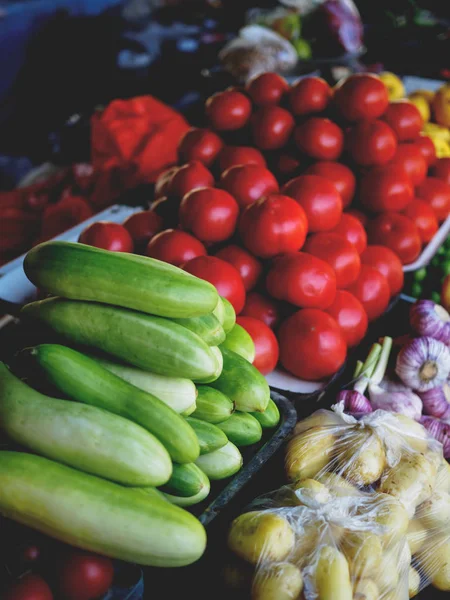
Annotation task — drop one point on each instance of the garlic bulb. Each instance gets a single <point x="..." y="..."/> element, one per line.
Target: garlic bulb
<point x="430" y="319"/>
<point x="423" y="363"/>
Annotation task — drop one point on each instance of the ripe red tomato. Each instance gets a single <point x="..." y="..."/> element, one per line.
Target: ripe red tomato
<point x="266" y="344"/>
<point x="405" y="119"/>
<point x="231" y="156"/>
<point x="209" y="213"/>
<point x="302" y="279"/>
<point x="262" y="308"/>
<point x="248" y="183"/>
<point x="200" y="144"/>
<point x="228" y="110"/>
<point x="426" y="146"/>
<point x="312" y="345"/>
<point x="421" y="213"/>
<point x="351" y="317"/>
<point x="386" y="262"/>
<point x="162" y="184"/>
<point x="339" y="253"/>
<point x="361" y="96"/>
<point x="437" y="194"/>
<point x="286" y="166"/>
<point x="189" y="177"/>
<point x="340" y="175"/>
<point x="272" y="127"/>
<point x="223" y="276"/>
<point x="362" y="217"/>
<point x="352" y="229"/>
<point x="63" y="215"/>
<point x="386" y="188"/>
<point x="29" y="587"/>
<point x="85" y="576"/>
<point x="273" y="225"/>
<point x="175" y="247"/>
<point x="371" y="143"/>
<point x="110" y="236"/>
<point x="267" y="89"/>
<point x="319" y="138"/>
<point x="441" y="170"/>
<point x="142" y="226"/>
<point x="410" y="159"/>
<point x="372" y="290"/>
<point x="319" y="199"/>
<point x="398" y="233"/>
<point x="309" y="95"/>
<point x="248" y="267"/>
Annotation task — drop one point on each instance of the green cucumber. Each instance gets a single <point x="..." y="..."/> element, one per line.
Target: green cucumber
<point x="147" y="342"/>
<point x="240" y="342"/>
<point x="191" y="500"/>
<point x="80" y="436"/>
<point x="97" y="515"/>
<point x="190" y="410"/>
<point x="209" y="436"/>
<point x="229" y="315"/>
<point x="207" y="327"/>
<point x="242" y="383"/>
<point x="81" y="272"/>
<point x="187" y="480"/>
<point x="83" y="379"/>
<point x="222" y="463"/>
<point x="242" y="429"/>
<point x="212" y="406"/>
<point x="270" y="417"/>
<point x="219" y="311"/>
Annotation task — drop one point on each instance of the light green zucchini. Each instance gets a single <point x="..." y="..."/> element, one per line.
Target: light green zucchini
<point x="207" y="327"/>
<point x="222" y="463"/>
<point x="187" y="480"/>
<point x="209" y="436"/>
<point x="270" y="417"/>
<point x="190" y="410"/>
<point x="242" y="429"/>
<point x="191" y="500"/>
<point x="240" y="342"/>
<point x="229" y="315"/>
<point x="212" y="406"/>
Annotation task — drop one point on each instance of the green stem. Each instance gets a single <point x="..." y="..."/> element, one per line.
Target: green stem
<point x="358" y="369"/>
<point x="367" y="369"/>
<point x="382" y="364"/>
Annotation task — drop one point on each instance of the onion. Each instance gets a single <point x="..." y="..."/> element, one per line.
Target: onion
<point x="430" y="319"/>
<point x="440" y="431"/>
<point x="423" y="363"/>
<point x="436" y="402"/>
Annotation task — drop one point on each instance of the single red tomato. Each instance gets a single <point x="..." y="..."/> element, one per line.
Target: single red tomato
<point x="362" y="217"/>
<point x="372" y="290"/>
<point x="228" y="110"/>
<point x="441" y="170"/>
<point x="351" y="317"/>
<point x="405" y="119"/>
<point x="386" y="188"/>
<point x="85" y="576"/>
<point x="341" y="176"/>
<point x="421" y="213"/>
<point x="352" y="229"/>
<point x="302" y="279"/>
<point x="189" y="177"/>
<point x="385" y="261"/>
<point x="162" y="184"/>
<point x="142" y="226"/>
<point x="267" y="89"/>
<point x="371" y="143"/>
<point x="312" y="345"/>
<point x="223" y="276"/>
<point x="437" y="194"/>
<point x="319" y="138"/>
<point x="309" y="95"/>
<point x="286" y="166"/>
<point x="200" y="144"/>
<point x="266" y="344"/>
<point x="319" y="199"/>
<point x="106" y="235"/>
<point x="339" y="253"/>
<point x="426" y="146"/>
<point x="64" y="215"/>
<point x="248" y="183"/>
<point x="175" y="247"/>
<point x="410" y="159"/>
<point x="29" y="587"/>
<point x="231" y="156"/>
<point x="262" y="308"/>
<point x="272" y="127"/>
<point x="361" y="96"/>
<point x="248" y="267"/>
<point x="398" y="233"/>
<point x="273" y="225"/>
<point x="209" y="213"/>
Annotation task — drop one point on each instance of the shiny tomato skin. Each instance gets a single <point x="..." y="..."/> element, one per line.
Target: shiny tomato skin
<point x="372" y="290"/>
<point x="248" y="267"/>
<point x="272" y="127"/>
<point x="441" y="170"/>
<point x="262" y="308"/>
<point x="309" y="95"/>
<point x="312" y="345"/>
<point x="371" y="142"/>
<point x="398" y="233"/>
<point x="319" y="138"/>
<point x="362" y="217"/>
<point x="106" y="235"/>
<point x="85" y="577"/>
<point x="267" y="89"/>
<point x="405" y="119"/>
<point x="437" y="194"/>
<point x="384" y="260"/>
<point x="426" y="146"/>
<point x="29" y="587"/>
<point x="231" y="156"/>
<point x="200" y="144"/>
<point x="319" y="199"/>
<point x="228" y="110"/>
<point x="223" y="276"/>
<point x="189" y="177"/>
<point x="352" y="229"/>
<point x="273" y="225"/>
<point x="410" y="159"/>
<point x="341" y="176"/>
<point x="351" y="317"/>
<point x="421" y="213"/>
<point x="248" y="183"/>
<point x="142" y="226"/>
<point x="266" y="344"/>
<point x="162" y="184"/>
<point x="361" y="96"/>
<point x="302" y="279"/>
<point x="209" y="213"/>
<point x="339" y="253"/>
<point x="386" y="189"/>
<point x="175" y="247"/>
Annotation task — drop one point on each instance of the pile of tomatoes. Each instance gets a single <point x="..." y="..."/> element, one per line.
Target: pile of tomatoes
<point x="300" y="204"/>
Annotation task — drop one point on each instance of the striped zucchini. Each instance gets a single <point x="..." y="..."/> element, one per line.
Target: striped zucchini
<point x="80" y="436"/>
<point x="240" y="342"/>
<point x="207" y="327"/>
<point x="82" y="379"/>
<point x="222" y="463"/>
<point x="229" y="315"/>
<point x="187" y="480"/>
<point x="219" y="311"/>
<point x="212" y="406"/>
<point x="203" y="493"/>
<point x="209" y="436"/>
<point x="242" y="429"/>
<point x="270" y="417"/>
<point x="147" y="342"/>
<point x="81" y="272"/>
<point x="94" y="514"/>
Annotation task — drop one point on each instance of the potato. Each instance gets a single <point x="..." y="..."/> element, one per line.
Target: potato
<point x="337" y="485"/>
<point x="311" y="490"/>
<point x="443" y="478"/>
<point x="363" y="551"/>
<point x="434" y="560"/>
<point x="261" y="536"/>
<point x="306" y="542"/>
<point x="392" y="516"/>
<point x="364" y="461"/>
<point x="441" y="580"/>
<point x="366" y="589"/>
<point x="414" y="435"/>
<point x="279" y="581"/>
<point x="308" y="453"/>
<point x="413" y="582"/>
<point x="416" y="535"/>
<point x="321" y="418"/>
<point x="435" y="512"/>
<point x="332" y="577"/>
<point x="388" y="572"/>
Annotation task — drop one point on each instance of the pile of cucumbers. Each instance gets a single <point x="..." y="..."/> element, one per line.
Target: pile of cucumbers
<point x="154" y="394"/>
